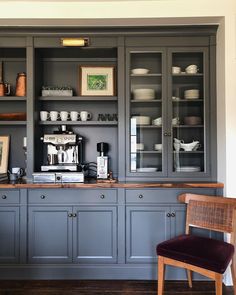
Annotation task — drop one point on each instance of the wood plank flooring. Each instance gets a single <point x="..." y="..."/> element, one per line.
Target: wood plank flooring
<point x="105" y="288"/>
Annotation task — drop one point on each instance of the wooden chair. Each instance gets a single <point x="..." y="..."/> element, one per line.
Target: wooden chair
<point x="206" y="256"/>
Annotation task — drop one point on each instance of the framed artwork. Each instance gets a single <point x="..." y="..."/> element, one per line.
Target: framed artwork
<point x="4" y="152"/>
<point x="97" y="80"/>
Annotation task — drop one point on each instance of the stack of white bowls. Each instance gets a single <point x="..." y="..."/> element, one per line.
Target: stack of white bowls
<point x="142" y="120"/>
<point x="191" y="94"/>
<point x="191" y="69"/>
<point x="144" y="94"/>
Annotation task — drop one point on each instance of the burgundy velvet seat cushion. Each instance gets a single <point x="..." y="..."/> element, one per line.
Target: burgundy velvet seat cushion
<point x="204" y="252"/>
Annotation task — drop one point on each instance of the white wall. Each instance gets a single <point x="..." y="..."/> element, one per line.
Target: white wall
<point x="154" y="12"/>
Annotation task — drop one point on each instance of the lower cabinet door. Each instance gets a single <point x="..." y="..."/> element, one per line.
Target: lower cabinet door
<point x="178" y="217"/>
<point x="50" y="234"/>
<point x="146" y="226"/>
<point x="95" y="234"/>
<point x="9" y="235"/>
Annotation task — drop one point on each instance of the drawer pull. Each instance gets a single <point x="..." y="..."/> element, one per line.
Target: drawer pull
<point x="4" y="197"/>
<point x="70" y="215"/>
<point x="172" y="214"/>
<point x="168" y="215"/>
<point x="140" y="196"/>
<point x="42" y="197"/>
<point x="102" y="196"/>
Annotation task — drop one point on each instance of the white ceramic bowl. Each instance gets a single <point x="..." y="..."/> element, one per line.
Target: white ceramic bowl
<point x="139" y="146"/>
<point x="176" y="70"/>
<point x="142" y="120"/>
<point x="139" y="71"/>
<point x="158" y="146"/>
<point x="144" y="93"/>
<point x="191" y="69"/>
<point x="157" y="121"/>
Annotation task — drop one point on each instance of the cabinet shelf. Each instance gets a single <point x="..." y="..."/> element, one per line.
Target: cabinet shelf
<point x="147" y="75"/>
<point x="146" y="101"/>
<point x="147" y="152"/>
<point x="187" y="75"/>
<point x="78" y="98"/>
<point x="189" y="152"/>
<point x="188" y="100"/>
<point x="149" y="126"/>
<point x="80" y="123"/>
<point x="12" y="122"/>
<point x="187" y="126"/>
<point x="13" y="98"/>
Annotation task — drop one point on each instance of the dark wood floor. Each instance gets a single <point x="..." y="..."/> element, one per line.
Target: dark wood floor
<point x="105" y="288"/>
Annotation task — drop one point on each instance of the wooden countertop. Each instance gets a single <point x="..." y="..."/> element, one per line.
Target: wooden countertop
<point x="114" y="185"/>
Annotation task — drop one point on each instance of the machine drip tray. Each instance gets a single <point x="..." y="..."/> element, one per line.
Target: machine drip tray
<point x="58" y="177"/>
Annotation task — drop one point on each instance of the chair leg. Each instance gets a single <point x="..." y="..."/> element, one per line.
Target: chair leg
<point x="218" y="284"/>
<point x="161" y="275"/>
<point x="233" y="273"/>
<point x="189" y="275"/>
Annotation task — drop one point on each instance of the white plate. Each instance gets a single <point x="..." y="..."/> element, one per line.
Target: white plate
<point x="146" y="169"/>
<point x="188" y="169"/>
<point x="139" y="71"/>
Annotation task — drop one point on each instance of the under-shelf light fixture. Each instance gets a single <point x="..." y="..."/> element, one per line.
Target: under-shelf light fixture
<point x="76" y="42"/>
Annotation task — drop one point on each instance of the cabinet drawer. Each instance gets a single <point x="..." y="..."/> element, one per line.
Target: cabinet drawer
<point x="161" y="195"/>
<point x="65" y="196"/>
<point x="9" y="197"/>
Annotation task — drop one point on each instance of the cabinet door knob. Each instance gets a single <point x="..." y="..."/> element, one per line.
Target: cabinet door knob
<point x="140" y="196"/>
<point x="42" y="197"/>
<point x="4" y="197"/>
<point x="168" y="133"/>
<point x="102" y="196"/>
<point x="74" y="215"/>
<point x="70" y="215"/>
<point x="165" y="133"/>
<point x="168" y="215"/>
<point x="172" y="214"/>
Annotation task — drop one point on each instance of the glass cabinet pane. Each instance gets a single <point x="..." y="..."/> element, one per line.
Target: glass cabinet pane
<point x="188" y="107"/>
<point x="145" y="118"/>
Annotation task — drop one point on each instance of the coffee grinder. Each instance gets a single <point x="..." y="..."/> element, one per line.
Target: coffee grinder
<point x="102" y="161"/>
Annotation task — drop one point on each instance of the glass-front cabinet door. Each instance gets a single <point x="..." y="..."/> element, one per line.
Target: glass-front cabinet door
<point x="188" y="94"/>
<point x="145" y="104"/>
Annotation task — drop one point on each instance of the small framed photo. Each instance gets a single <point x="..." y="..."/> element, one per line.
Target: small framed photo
<point x="4" y="152"/>
<point x="97" y="81"/>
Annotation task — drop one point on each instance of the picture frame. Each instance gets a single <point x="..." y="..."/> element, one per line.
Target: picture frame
<point x="97" y="80"/>
<point x="4" y="153"/>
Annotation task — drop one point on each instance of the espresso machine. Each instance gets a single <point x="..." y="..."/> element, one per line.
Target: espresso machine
<point x="63" y="156"/>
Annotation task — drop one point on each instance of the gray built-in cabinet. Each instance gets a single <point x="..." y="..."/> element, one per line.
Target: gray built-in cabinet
<point x="155" y="129"/>
<point x="107" y="233"/>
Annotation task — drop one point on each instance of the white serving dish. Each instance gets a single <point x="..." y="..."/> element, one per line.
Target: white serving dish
<point x="142" y="120"/>
<point x="139" y="71"/>
<point x="139" y="146"/>
<point x="157" y="121"/>
<point x="188" y="169"/>
<point x="158" y="146"/>
<point x="146" y="169"/>
<point x="176" y="70"/>
<point x="144" y="94"/>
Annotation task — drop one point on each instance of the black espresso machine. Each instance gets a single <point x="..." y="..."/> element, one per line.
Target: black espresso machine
<point x="64" y="155"/>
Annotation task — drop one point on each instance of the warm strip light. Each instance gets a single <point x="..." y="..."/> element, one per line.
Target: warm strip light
<point x="79" y="42"/>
